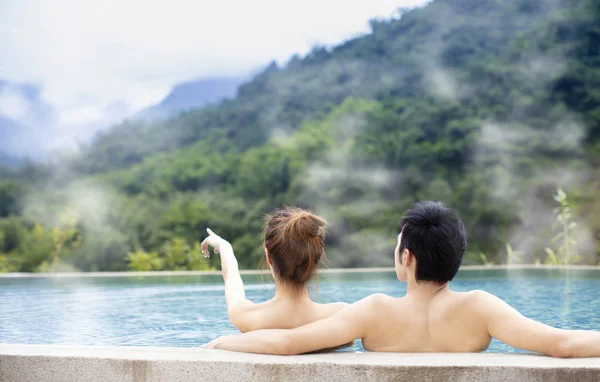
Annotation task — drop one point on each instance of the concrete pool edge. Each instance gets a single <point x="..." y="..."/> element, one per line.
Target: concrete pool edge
<point x="72" y="363"/>
<point x="259" y="272"/>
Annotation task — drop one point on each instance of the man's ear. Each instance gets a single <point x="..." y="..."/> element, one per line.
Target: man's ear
<point x="408" y="257"/>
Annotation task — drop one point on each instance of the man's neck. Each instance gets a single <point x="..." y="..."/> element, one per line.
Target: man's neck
<point x="425" y="289"/>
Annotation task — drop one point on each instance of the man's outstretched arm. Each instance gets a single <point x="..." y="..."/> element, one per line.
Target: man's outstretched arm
<point x="516" y="330"/>
<point x="337" y="330"/>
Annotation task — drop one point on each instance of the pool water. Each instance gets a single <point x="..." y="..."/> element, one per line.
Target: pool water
<point x="190" y="310"/>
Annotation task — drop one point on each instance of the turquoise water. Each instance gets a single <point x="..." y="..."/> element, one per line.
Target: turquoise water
<point x="188" y="311"/>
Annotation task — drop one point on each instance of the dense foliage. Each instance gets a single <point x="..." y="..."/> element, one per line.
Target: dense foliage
<point x="487" y="105"/>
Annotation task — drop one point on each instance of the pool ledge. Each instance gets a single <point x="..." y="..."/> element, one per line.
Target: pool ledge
<point x="76" y="363"/>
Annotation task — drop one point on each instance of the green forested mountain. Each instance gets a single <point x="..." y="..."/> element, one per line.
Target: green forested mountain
<point x="487" y="105"/>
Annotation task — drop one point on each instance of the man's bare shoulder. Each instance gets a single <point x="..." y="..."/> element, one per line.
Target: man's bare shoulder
<point x="374" y="313"/>
<point x="480" y="296"/>
<point x="331" y="308"/>
<point x="479" y="301"/>
<point x="367" y="304"/>
<point x="473" y="295"/>
<point x="371" y="303"/>
<point x="379" y="298"/>
<point x="336" y="306"/>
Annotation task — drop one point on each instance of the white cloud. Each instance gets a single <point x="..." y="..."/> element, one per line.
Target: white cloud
<point x="135" y="50"/>
<point x="88" y="113"/>
<point x="13" y="104"/>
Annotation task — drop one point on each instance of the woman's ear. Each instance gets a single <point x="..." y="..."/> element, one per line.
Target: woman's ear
<point x="268" y="258"/>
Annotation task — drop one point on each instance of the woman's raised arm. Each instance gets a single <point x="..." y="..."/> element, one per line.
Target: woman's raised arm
<point x="235" y="295"/>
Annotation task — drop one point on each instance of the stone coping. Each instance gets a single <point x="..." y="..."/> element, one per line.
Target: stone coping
<point x="258" y="272"/>
<point x="83" y="363"/>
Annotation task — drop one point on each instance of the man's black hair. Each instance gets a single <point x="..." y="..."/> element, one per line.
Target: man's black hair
<point x="437" y="238"/>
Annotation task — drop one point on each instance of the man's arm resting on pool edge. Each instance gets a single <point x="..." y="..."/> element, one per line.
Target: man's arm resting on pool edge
<point x="516" y="330"/>
<point x="337" y="330"/>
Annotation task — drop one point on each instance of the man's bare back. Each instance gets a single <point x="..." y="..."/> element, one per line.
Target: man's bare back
<point x="446" y="322"/>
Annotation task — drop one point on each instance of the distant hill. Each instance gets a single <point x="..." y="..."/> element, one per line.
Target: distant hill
<point x="8" y="127"/>
<point x="24" y="117"/>
<point x="31" y="110"/>
<point x="193" y="95"/>
<point x="8" y="160"/>
<point x="11" y="135"/>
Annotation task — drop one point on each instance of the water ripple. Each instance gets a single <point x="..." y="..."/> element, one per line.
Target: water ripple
<point x="155" y="312"/>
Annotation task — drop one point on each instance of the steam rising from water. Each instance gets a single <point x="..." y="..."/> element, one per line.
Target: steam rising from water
<point x="89" y="206"/>
<point x="339" y="189"/>
<point x="498" y="146"/>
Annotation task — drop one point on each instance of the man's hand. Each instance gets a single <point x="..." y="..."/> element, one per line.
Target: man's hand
<point x="516" y="330"/>
<point x="217" y="342"/>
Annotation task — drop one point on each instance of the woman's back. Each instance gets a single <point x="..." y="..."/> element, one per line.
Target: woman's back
<point x="283" y="314"/>
<point x="294" y="247"/>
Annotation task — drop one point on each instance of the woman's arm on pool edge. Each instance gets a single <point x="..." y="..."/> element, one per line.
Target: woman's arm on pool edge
<point x="235" y="295"/>
<point x="511" y="327"/>
<point x="334" y="331"/>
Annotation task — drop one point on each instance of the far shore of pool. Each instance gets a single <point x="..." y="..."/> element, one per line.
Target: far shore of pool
<point x="259" y="272"/>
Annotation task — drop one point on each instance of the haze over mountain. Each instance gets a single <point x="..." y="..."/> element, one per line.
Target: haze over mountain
<point x="29" y="127"/>
<point x="25" y="119"/>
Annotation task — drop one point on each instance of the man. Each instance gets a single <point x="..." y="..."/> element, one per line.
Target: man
<point x="430" y="317"/>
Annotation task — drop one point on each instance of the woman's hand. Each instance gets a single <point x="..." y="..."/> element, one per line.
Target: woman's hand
<point x="234" y="286"/>
<point x="212" y="240"/>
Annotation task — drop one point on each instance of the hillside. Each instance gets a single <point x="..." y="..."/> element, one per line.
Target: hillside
<point x="486" y="105"/>
<point x="427" y="52"/>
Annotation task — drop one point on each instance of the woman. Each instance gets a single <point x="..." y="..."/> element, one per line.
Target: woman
<point x="294" y="247"/>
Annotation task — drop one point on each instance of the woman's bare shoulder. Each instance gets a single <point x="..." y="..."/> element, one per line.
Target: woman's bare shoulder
<point x="250" y="317"/>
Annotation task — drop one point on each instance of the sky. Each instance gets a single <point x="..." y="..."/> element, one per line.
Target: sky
<point x="92" y="58"/>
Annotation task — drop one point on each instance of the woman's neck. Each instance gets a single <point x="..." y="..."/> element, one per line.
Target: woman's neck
<point x="287" y="292"/>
